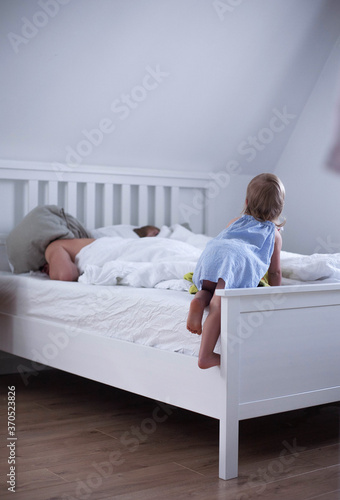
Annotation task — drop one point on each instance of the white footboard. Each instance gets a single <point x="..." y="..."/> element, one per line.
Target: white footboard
<point x="280" y="352"/>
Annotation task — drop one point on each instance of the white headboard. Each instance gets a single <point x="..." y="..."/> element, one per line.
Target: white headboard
<point x="101" y="196"/>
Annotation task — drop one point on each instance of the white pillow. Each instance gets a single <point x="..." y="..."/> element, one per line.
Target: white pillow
<point x="122" y="230"/>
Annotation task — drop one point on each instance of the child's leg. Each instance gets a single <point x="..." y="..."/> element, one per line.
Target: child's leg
<point x="198" y="304"/>
<point x="211" y="331"/>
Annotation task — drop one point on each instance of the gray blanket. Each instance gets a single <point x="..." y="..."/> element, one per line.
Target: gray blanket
<point x="27" y="243"/>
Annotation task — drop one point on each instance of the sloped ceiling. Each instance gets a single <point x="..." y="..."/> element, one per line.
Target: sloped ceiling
<point x="183" y="84"/>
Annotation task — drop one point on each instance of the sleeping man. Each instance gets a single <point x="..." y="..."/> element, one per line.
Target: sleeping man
<point x="60" y="255"/>
<point x="28" y="241"/>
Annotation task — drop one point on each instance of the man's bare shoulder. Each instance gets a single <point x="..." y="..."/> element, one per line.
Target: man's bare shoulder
<point x="72" y="246"/>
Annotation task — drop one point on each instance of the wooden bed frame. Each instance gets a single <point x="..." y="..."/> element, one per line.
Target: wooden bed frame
<point x="280" y="347"/>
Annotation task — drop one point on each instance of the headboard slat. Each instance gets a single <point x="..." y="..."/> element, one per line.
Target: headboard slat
<point x="126" y="204"/>
<point x="143" y="206"/>
<point x="174" y="204"/>
<point x="108" y="205"/>
<point x="90" y="203"/>
<point x="159" y="206"/>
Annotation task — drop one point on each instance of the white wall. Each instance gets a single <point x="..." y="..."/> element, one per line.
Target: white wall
<point x="232" y="78"/>
<point x="313" y="202"/>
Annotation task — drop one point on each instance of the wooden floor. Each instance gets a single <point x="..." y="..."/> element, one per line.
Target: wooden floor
<point x="80" y="440"/>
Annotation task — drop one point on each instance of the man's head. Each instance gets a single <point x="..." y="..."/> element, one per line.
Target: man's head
<point x="147" y="231"/>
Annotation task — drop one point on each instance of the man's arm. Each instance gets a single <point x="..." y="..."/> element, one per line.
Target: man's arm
<point x="60" y="256"/>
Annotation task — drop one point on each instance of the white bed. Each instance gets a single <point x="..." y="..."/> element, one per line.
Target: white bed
<point x="279" y="346"/>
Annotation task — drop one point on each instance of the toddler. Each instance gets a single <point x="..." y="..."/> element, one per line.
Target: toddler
<point x="238" y="258"/>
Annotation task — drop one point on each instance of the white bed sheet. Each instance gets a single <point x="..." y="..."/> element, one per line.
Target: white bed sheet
<point x="152" y="317"/>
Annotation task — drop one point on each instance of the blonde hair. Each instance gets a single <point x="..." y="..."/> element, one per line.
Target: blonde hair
<point x="265" y="198"/>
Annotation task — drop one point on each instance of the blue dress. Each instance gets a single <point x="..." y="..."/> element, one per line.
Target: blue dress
<point x="240" y="254"/>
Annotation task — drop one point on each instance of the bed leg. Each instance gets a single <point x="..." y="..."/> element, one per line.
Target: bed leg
<point x="229" y="422"/>
<point x="228" y="451"/>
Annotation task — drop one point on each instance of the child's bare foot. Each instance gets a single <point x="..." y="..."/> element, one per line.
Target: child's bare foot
<point x="194" y="322"/>
<point x="209" y="361"/>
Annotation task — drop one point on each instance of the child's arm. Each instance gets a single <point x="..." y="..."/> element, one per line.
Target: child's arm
<point x="274" y="271"/>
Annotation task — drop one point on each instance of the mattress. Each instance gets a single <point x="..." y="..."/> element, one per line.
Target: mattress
<point x="153" y="317"/>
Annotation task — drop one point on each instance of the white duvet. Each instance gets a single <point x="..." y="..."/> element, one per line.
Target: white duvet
<point x="315" y="267"/>
<point x="162" y="261"/>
